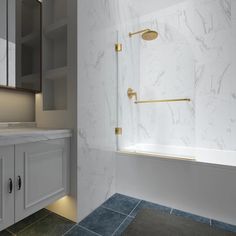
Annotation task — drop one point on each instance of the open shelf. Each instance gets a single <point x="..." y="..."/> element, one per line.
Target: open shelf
<point x="55" y="55"/>
<point x="30" y="17"/>
<point x="56" y="30"/>
<point x="31" y="40"/>
<point x="55" y="74"/>
<point x="30" y="77"/>
<point x="30" y="60"/>
<point x="55" y="97"/>
<point x="56" y="10"/>
<point x="27" y="39"/>
<point x="31" y="81"/>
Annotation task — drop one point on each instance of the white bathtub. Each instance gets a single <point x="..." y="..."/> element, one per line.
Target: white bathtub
<point x="213" y="156"/>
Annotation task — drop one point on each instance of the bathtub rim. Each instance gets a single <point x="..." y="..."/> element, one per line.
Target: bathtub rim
<point x="168" y="159"/>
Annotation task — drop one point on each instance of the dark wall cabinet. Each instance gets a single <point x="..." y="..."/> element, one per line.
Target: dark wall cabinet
<point x="3" y="42"/>
<point x="20" y="44"/>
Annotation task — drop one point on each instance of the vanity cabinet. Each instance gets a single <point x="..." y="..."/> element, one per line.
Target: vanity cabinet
<point x="32" y="178"/>
<point x="6" y="186"/>
<point x="41" y="175"/>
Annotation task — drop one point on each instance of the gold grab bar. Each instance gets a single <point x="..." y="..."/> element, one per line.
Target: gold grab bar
<point x="162" y="101"/>
<point x="132" y="94"/>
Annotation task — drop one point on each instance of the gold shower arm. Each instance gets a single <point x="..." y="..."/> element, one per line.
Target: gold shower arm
<point x="162" y="101"/>
<point x="138" y="32"/>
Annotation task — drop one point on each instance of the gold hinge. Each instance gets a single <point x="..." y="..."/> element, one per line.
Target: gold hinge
<point x="118" y="131"/>
<point x="118" y="47"/>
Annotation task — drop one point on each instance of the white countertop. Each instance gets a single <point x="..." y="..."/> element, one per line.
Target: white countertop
<point x="11" y="136"/>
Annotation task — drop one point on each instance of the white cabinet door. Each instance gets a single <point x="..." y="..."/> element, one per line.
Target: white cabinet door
<point x="41" y="175"/>
<point x="6" y="186"/>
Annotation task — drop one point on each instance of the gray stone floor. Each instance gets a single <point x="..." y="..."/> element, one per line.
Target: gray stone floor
<point x="153" y="222"/>
<point x="110" y="219"/>
<point x="41" y="223"/>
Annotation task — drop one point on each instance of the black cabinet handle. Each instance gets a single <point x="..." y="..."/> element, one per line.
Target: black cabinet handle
<point x="19" y="183"/>
<point x="10" y="185"/>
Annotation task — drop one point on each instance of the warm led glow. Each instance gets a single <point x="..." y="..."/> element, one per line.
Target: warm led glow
<point x="38" y="95"/>
<point x="65" y="207"/>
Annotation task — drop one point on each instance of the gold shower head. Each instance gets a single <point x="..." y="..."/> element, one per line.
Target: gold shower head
<point x="147" y="34"/>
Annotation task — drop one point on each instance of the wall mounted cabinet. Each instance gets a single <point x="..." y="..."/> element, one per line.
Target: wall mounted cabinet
<point x="20" y="34"/>
<point x="36" y="176"/>
<point x="3" y="42"/>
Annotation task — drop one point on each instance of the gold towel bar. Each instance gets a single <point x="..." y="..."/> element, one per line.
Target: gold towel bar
<point x="165" y="100"/>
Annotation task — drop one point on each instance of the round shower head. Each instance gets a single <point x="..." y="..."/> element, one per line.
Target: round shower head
<point x="149" y="35"/>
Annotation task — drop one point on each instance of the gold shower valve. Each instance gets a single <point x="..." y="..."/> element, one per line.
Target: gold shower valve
<point x="131" y="93"/>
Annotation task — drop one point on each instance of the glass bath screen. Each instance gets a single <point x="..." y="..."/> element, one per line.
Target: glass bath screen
<point x="193" y="58"/>
<point x="156" y="92"/>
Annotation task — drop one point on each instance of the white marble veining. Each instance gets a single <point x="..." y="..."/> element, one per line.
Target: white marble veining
<point x="12" y="136"/>
<point x="194" y="57"/>
<point x="202" y="33"/>
<point x="97" y="97"/>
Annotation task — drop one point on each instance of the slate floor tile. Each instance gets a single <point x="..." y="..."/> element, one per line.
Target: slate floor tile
<point x="78" y="231"/>
<point x="51" y="225"/>
<point x="5" y="233"/>
<point x="224" y="226"/>
<point x="123" y="226"/>
<point x="110" y="219"/>
<point x="103" y="221"/>
<point x="150" y="222"/>
<point x="191" y="216"/>
<point x="16" y="228"/>
<point x="149" y="205"/>
<point x="121" y="203"/>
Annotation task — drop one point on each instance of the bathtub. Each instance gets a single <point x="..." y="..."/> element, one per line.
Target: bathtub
<point x="213" y="156"/>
